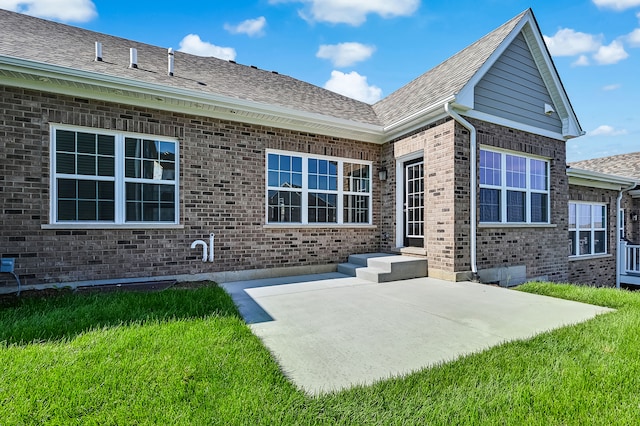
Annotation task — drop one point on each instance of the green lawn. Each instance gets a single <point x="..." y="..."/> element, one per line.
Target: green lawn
<point x="186" y="357"/>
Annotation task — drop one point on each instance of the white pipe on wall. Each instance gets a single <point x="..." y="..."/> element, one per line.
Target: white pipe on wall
<point x="207" y="249"/>
<point x="197" y="243"/>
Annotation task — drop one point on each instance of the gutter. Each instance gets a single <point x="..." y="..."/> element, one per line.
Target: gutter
<point x="473" y="143"/>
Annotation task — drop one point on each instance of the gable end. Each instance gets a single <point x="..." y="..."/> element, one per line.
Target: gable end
<point x="514" y="89"/>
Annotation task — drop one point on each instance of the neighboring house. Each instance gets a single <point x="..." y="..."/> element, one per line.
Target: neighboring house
<point x="621" y="201"/>
<point x="115" y="161"/>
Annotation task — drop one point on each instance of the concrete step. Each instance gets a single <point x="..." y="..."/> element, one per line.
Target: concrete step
<point x="384" y="267"/>
<point x="361" y="259"/>
<point x="349" y="268"/>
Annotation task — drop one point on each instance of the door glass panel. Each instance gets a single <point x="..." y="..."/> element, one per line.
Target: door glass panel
<point x="414" y="200"/>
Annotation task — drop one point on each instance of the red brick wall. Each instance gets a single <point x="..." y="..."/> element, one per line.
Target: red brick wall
<point x="445" y="153"/>
<point x="543" y="250"/>
<point x="447" y="178"/>
<point x="601" y="270"/>
<point x="221" y="190"/>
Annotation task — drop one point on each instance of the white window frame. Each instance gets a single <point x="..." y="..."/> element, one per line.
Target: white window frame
<point x="304" y="214"/>
<point x="528" y="190"/>
<point x="119" y="179"/>
<point x="592" y="229"/>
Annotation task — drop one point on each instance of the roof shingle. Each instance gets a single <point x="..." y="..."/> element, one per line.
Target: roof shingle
<point x="58" y="44"/>
<point x="627" y="165"/>
<point x="444" y="80"/>
<point x="26" y="37"/>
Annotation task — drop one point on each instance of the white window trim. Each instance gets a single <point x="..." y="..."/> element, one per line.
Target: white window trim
<point x="120" y="182"/>
<point x="592" y="229"/>
<point x="503" y="188"/>
<point x="305" y="191"/>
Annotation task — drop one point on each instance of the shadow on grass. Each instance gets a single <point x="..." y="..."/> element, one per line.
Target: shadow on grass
<point x="59" y="317"/>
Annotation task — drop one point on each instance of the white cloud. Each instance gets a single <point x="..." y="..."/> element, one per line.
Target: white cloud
<point x="354" y="86"/>
<point x="582" y="61"/>
<point x="192" y="44"/>
<point x="610" y="87"/>
<point x="62" y="10"/>
<point x="345" y="54"/>
<point x="567" y="42"/>
<point x="611" y="54"/>
<point x="352" y="12"/>
<point x="606" y="130"/>
<point x="633" y="38"/>
<point x="617" y="4"/>
<point x="250" y="27"/>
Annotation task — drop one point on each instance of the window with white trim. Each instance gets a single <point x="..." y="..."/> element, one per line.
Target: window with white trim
<point x="513" y="188"/>
<point x="113" y="178"/>
<point x="308" y="189"/>
<point x="587" y="228"/>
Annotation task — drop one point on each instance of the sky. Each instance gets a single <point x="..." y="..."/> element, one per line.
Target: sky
<point x="367" y="49"/>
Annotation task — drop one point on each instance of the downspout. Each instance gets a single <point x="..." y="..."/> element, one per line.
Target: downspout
<point x="618" y="254"/>
<point x="473" y="145"/>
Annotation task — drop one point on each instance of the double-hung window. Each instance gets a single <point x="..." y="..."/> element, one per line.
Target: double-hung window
<point x="103" y="177"/>
<point x="307" y="189"/>
<point x="587" y="229"/>
<point x="513" y="188"/>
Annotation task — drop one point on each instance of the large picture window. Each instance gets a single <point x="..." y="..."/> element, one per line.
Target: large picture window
<point x="513" y="188"/>
<point x="113" y="178"/>
<point x="587" y="229"/>
<point x="304" y="189"/>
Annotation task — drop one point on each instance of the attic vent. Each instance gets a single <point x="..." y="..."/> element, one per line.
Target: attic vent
<point x="254" y="67"/>
<point x="274" y="72"/>
<point x="170" y="62"/>
<point x="98" y="51"/>
<point x="233" y="62"/>
<point x="133" y="58"/>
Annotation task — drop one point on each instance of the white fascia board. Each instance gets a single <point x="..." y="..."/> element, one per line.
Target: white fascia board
<point x="512" y="124"/>
<point x="635" y="193"/>
<point x="593" y="179"/>
<point x="371" y="133"/>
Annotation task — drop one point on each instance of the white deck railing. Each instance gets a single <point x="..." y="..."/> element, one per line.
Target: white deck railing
<point x="630" y="260"/>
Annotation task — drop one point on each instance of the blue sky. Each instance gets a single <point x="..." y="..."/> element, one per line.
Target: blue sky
<point x="369" y="48"/>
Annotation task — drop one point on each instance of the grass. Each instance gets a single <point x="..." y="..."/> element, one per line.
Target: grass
<point x="186" y="357"/>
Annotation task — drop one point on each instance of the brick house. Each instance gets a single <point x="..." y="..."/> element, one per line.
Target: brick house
<point x="619" y="198"/>
<point x="119" y="155"/>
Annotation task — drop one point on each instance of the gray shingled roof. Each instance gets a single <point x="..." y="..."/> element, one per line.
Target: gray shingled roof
<point x="36" y="39"/>
<point x="444" y="80"/>
<point x="39" y="40"/>
<point x="627" y="165"/>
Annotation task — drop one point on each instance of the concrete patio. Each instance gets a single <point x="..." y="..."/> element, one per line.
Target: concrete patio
<point x="329" y="331"/>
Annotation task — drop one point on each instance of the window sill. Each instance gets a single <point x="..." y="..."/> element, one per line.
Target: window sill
<point x="517" y="225"/>
<point x="590" y="257"/>
<point x="319" y="226"/>
<point x="112" y="226"/>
